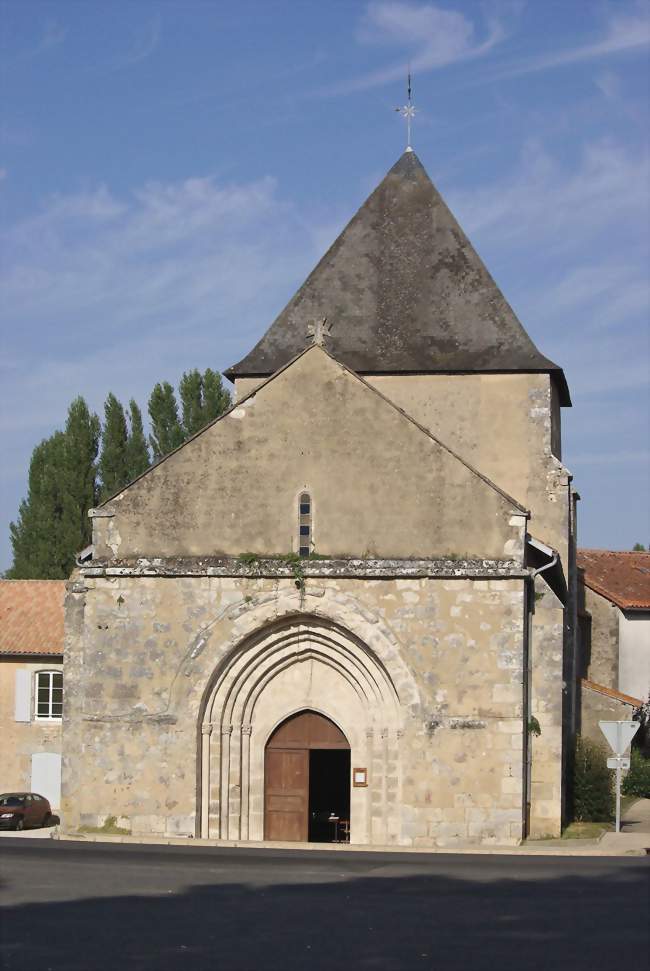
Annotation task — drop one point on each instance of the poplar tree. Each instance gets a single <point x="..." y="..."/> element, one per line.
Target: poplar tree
<point x="216" y="398"/>
<point x="53" y="524"/>
<point x="34" y="534"/>
<point x="203" y="398"/>
<point x="138" y="459"/>
<point x="166" y="430"/>
<point x="82" y="431"/>
<point x="113" y="463"/>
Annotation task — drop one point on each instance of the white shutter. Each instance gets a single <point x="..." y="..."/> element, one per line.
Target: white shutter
<point x="46" y="776"/>
<point x="23" y="700"/>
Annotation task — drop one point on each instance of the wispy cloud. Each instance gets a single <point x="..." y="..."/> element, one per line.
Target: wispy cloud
<point x="51" y="35"/>
<point x="625" y="32"/>
<point x="431" y="36"/>
<point x="571" y="239"/>
<point x="142" y="46"/>
<point x="559" y="203"/>
<point x="173" y="275"/>
<point x="610" y="291"/>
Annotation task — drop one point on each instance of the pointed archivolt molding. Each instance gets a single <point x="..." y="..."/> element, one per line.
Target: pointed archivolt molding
<point x="268" y="675"/>
<point x="241" y="626"/>
<point x="252" y="669"/>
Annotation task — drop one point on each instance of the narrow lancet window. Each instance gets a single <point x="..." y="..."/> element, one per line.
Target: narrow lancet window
<point x="304" y="524"/>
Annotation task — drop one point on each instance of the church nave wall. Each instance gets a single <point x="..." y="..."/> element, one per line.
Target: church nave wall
<point x="423" y="675"/>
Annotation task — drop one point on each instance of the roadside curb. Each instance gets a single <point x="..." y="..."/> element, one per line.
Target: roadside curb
<point x="593" y="850"/>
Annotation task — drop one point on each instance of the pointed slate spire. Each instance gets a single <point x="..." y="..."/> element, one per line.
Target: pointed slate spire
<point x="403" y="291"/>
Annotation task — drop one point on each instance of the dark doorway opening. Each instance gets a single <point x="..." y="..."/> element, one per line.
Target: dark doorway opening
<point x="307" y="781"/>
<point x="329" y="795"/>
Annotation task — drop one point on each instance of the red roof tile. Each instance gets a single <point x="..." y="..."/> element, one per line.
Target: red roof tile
<point x="623" y="578"/>
<point x="612" y="693"/>
<point x="31" y="616"/>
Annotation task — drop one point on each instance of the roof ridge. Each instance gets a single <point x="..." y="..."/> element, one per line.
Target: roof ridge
<point x="612" y="692"/>
<point x="29" y="580"/>
<point x="587" y="549"/>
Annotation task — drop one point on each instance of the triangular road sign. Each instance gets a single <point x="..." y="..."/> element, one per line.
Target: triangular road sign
<point x="619" y="734"/>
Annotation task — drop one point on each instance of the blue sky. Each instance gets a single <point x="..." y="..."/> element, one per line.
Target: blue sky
<point x="170" y="172"/>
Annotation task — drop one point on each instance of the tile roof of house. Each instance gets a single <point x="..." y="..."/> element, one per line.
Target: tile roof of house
<point x="623" y="578"/>
<point x="403" y="291"/>
<point x="31" y="616"/>
<point x="612" y="693"/>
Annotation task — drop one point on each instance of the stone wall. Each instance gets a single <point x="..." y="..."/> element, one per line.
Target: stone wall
<point x="380" y="485"/>
<point x="506" y="425"/>
<point x="546" y="706"/>
<point x="145" y="655"/>
<point x="602" y="706"/>
<point x="600" y="655"/>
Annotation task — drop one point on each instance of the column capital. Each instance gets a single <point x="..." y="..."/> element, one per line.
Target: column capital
<point x="206" y="728"/>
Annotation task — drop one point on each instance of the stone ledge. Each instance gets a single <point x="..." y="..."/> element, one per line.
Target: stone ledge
<point x="265" y="567"/>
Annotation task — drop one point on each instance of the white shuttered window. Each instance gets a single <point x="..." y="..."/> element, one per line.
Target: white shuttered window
<point x="49" y="695"/>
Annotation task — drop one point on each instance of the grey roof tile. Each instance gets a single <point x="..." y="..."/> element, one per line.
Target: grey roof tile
<point x="403" y="291"/>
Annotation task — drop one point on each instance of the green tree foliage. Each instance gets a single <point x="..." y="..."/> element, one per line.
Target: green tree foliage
<point x="593" y="790"/>
<point x="639" y="548"/>
<point x="166" y="430"/>
<point x="203" y="398"/>
<point x="138" y="459"/>
<point x="82" y="431"/>
<point x="641" y="740"/>
<point x="113" y="462"/>
<point x="34" y="534"/>
<point x="637" y="781"/>
<point x="52" y="522"/>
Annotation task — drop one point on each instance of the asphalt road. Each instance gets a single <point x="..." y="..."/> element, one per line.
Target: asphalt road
<point x="95" y="907"/>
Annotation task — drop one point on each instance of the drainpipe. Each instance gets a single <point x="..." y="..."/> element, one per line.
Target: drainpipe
<point x="527" y="675"/>
<point x="84" y="556"/>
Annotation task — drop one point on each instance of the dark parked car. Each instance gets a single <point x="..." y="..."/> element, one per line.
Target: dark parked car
<point x="24" y="810"/>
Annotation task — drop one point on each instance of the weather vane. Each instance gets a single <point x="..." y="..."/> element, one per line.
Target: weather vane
<point x="408" y="111"/>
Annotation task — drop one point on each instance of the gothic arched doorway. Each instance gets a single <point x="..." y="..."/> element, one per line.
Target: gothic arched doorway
<point x="307" y="780"/>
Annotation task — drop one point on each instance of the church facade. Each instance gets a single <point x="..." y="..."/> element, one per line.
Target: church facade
<point x="345" y="609"/>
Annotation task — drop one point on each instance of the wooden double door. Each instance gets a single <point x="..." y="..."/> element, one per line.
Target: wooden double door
<point x="306" y="778"/>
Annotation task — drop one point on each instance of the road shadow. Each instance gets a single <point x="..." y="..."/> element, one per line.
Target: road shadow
<point x="371" y="923"/>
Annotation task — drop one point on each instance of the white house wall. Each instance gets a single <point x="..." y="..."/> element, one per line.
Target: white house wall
<point x="634" y="653"/>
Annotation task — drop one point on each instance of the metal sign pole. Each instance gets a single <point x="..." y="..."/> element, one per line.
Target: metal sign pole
<point x="619" y="734"/>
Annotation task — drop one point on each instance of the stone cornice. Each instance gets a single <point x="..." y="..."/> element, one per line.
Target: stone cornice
<point x="270" y="567"/>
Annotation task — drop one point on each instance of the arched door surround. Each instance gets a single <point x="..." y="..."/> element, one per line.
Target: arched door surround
<point x="301" y="663"/>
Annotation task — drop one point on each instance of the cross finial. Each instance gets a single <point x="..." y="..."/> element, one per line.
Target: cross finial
<point x="408" y="111"/>
<point x="318" y="331"/>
